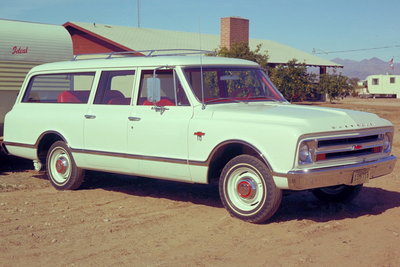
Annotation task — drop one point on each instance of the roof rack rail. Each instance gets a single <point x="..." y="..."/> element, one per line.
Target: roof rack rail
<point x="145" y="53"/>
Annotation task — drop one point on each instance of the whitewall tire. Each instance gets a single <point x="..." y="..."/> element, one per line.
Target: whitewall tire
<point x="61" y="168"/>
<point x="247" y="189"/>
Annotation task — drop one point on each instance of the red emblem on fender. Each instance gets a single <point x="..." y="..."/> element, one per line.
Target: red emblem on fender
<point x="357" y="147"/>
<point x="199" y="134"/>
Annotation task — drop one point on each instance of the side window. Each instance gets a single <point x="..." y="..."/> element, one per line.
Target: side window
<point x="115" y="87"/>
<point x="171" y="93"/>
<point x="59" y="88"/>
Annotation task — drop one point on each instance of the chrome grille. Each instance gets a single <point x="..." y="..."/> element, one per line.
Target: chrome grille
<point x="344" y="147"/>
<point x="346" y="141"/>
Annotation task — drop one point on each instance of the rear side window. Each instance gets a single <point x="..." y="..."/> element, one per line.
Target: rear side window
<point x="115" y="87"/>
<point x="59" y="88"/>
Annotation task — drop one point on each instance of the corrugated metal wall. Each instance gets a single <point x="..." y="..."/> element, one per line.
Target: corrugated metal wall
<point x="12" y="74"/>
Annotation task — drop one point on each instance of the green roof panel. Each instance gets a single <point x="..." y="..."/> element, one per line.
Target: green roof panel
<point x="145" y="39"/>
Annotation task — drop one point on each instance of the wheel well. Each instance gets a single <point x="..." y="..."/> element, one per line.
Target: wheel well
<point x="44" y="145"/>
<point x="224" y="154"/>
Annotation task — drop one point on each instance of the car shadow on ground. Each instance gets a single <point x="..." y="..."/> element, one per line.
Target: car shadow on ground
<point x="304" y="206"/>
<point x="13" y="164"/>
<point x="295" y="205"/>
<point x="138" y="186"/>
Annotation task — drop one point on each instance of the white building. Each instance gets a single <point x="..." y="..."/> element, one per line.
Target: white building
<point x="384" y="85"/>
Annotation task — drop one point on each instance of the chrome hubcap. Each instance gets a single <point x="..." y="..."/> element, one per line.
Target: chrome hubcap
<point x="61" y="165"/>
<point x="247" y="188"/>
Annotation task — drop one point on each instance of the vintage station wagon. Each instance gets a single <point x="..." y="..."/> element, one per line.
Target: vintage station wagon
<point x="193" y="119"/>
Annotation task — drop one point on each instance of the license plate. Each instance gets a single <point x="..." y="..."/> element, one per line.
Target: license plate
<point x="360" y="176"/>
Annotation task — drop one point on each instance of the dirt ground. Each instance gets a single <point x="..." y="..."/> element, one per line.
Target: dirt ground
<point x="133" y="221"/>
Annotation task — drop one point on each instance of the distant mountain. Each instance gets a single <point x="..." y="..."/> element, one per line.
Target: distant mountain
<point x="361" y="69"/>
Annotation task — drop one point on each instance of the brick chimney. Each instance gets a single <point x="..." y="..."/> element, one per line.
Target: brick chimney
<point x="234" y="30"/>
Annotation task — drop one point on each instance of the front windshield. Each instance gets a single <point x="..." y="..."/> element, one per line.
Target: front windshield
<point x="226" y="84"/>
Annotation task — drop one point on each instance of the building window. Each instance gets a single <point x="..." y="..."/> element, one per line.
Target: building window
<point x="392" y="80"/>
<point x="375" y="81"/>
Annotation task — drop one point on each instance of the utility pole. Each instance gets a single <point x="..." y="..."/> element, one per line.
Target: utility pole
<point x="138" y="13"/>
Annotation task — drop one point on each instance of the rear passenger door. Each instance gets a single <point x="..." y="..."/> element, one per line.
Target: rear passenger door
<point x="55" y="102"/>
<point x="106" y="121"/>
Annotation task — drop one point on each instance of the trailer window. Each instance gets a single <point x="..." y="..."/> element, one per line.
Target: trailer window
<point x="59" y="88"/>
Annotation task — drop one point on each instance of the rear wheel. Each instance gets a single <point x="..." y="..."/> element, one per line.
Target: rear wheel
<point x="61" y="168"/>
<point x="247" y="189"/>
<point x="337" y="193"/>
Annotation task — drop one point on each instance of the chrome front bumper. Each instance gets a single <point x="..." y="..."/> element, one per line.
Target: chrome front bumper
<point x="322" y="177"/>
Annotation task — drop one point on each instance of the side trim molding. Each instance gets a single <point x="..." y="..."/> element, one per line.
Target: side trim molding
<point x="150" y="158"/>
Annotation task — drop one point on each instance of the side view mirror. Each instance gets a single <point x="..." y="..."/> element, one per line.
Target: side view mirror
<point x="153" y="89"/>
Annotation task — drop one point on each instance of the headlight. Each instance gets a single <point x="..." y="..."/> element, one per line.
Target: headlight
<point x="304" y="153"/>
<point x="386" y="143"/>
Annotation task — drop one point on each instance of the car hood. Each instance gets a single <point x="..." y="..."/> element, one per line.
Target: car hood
<point x="313" y="119"/>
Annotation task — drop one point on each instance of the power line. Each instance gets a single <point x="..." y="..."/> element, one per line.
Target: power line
<point x="317" y="51"/>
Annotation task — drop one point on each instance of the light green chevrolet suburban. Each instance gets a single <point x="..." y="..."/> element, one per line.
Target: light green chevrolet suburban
<point x="197" y="120"/>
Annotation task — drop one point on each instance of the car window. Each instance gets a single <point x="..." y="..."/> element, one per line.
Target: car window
<point x="227" y="83"/>
<point x="115" y="87"/>
<point x="171" y="94"/>
<point x="59" y="88"/>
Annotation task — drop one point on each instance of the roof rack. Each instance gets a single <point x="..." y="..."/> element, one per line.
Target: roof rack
<point x="145" y="53"/>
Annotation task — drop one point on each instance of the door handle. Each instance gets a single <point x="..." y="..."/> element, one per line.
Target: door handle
<point x="87" y="116"/>
<point x="134" y="118"/>
<point x="161" y="109"/>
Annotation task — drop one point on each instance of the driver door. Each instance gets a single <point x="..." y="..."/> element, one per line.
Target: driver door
<point x="158" y="126"/>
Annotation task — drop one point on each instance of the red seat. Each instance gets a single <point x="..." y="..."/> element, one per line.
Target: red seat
<point x="73" y="97"/>
<point x="162" y="103"/>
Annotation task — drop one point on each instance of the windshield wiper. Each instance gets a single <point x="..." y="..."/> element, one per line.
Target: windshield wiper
<point x="224" y="98"/>
<point x="263" y="98"/>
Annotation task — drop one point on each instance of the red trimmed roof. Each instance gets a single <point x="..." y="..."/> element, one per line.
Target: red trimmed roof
<point x="74" y="29"/>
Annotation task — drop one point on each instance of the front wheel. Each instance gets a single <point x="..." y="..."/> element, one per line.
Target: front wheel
<point x="61" y="168"/>
<point x="247" y="189"/>
<point x="337" y="193"/>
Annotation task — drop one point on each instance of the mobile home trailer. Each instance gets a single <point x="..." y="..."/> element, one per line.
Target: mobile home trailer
<point x="384" y="85"/>
<point x="24" y="45"/>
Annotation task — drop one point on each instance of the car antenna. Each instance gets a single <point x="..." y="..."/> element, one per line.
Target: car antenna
<point x="203" y="105"/>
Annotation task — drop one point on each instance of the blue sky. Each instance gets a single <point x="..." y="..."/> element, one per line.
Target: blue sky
<point x="326" y="26"/>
